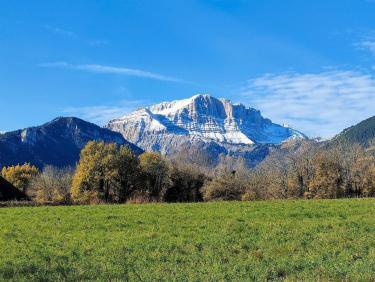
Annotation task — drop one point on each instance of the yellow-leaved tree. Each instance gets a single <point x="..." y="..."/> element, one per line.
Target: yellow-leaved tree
<point x="105" y="172"/>
<point x="154" y="175"/>
<point x="20" y="175"/>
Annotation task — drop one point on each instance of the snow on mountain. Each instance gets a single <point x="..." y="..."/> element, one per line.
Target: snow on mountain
<point x="203" y="124"/>
<point x="201" y="119"/>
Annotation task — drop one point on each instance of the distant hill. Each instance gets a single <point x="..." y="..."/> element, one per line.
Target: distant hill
<point x="361" y="133"/>
<point x="8" y="192"/>
<point x="56" y="143"/>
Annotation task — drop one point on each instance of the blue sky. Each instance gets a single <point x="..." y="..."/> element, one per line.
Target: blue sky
<point x="309" y="64"/>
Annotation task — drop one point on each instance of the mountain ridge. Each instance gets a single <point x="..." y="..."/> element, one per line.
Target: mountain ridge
<point x="57" y="142"/>
<point x="199" y="121"/>
<point x="239" y="123"/>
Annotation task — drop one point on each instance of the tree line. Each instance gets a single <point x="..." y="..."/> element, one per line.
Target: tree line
<point x="311" y="170"/>
<point x="110" y="173"/>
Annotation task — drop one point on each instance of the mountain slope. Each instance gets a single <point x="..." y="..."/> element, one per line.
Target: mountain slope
<point x="55" y="143"/>
<point x="199" y="122"/>
<point x="361" y="133"/>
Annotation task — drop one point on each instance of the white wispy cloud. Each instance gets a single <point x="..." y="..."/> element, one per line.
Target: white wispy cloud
<point x="98" y="42"/>
<point x="319" y="104"/>
<point x="365" y="40"/>
<point x="368" y="44"/>
<point x="61" y="31"/>
<point x="111" y="70"/>
<point x="102" y="114"/>
<point x="73" y="35"/>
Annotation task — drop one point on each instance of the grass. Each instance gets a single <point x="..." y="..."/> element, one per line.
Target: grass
<point x="275" y="240"/>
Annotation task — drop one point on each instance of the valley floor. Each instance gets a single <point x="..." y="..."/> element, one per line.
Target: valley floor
<point x="274" y="240"/>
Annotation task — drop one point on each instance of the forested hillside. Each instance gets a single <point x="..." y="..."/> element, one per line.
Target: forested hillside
<point x="362" y="133"/>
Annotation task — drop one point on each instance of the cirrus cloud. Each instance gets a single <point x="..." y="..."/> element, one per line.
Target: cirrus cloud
<point x="96" y="68"/>
<point x="319" y="104"/>
<point x="368" y="45"/>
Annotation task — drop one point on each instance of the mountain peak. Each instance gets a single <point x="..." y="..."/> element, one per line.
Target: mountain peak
<point x="67" y="121"/>
<point x="207" y="97"/>
<point x="200" y="117"/>
<point x="63" y="119"/>
<point x="202" y="96"/>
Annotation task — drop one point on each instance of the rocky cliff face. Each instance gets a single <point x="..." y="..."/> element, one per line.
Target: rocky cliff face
<point x="201" y="121"/>
<point x="55" y="143"/>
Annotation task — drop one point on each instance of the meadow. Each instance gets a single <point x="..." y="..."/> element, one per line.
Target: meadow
<point x="240" y="241"/>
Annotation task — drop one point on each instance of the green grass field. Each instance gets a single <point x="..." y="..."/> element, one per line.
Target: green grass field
<point x="292" y="240"/>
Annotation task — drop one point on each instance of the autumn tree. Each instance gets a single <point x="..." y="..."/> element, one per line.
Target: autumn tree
<point x="358" y="167"/>
<point x="328" y="180"/>
<point x="154" y="175"/>
<point x="186" y="182"/>
<point x="127" y="174"/>
<point x="256" y="188"/>
<point x="105" y="172"/>
<point x="362" y="177"/>
<point x="301" y="170"/>
<point x="20" y="175"/>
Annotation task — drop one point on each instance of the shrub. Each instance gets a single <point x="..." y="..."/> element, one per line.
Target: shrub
<point x="249" y="196"/>
<point x="226" y="187"/>
<point x="139" y="198"/>
<point x="52" y="185"/>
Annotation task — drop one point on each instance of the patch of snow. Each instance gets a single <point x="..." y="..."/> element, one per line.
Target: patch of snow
<point x="166" y="108"/>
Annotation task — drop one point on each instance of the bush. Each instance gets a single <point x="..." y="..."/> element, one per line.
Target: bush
<point x="52" y="185"/>
<point x="249" y="196"/>
<point x="140" y="198"/>
<point x="226" y="187"/>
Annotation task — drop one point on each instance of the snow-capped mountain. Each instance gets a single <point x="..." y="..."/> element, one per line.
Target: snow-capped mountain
<point x="202" y="119"/>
